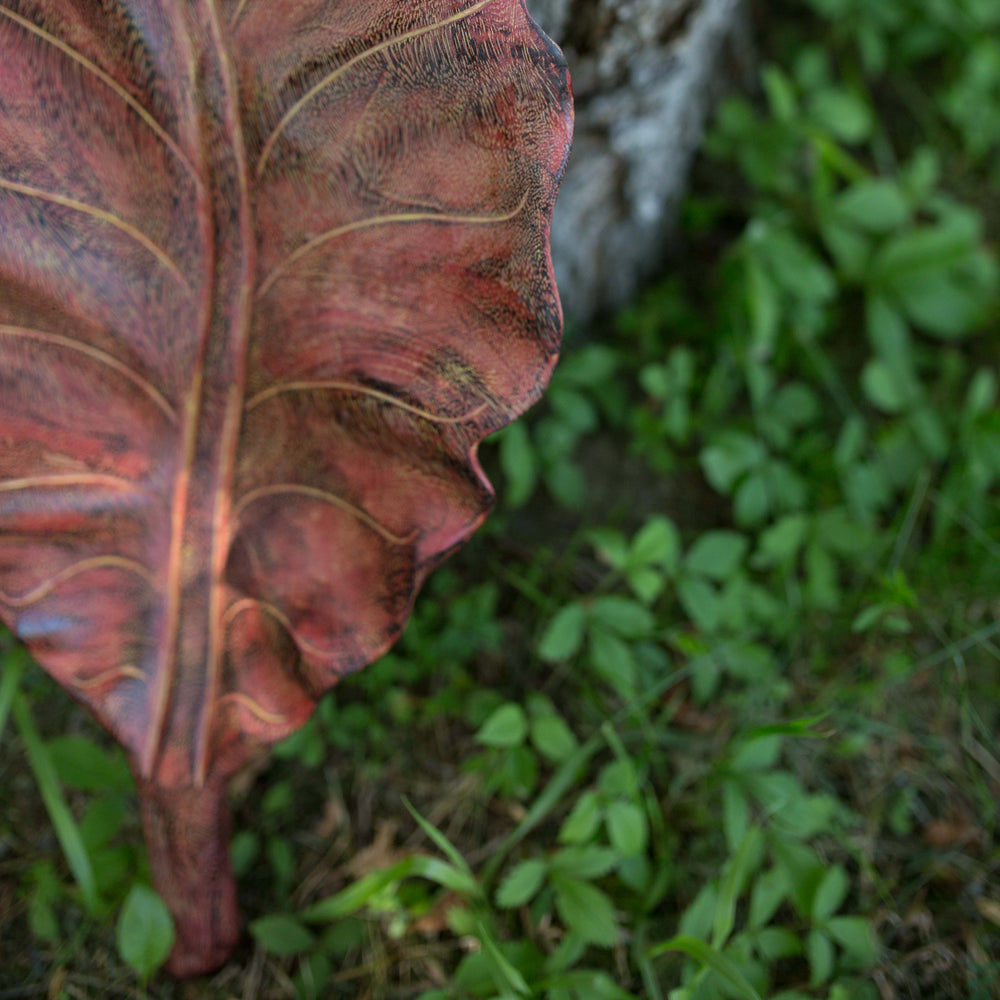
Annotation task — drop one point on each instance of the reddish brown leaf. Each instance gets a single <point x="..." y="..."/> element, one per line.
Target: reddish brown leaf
<point x="270" y="270"/>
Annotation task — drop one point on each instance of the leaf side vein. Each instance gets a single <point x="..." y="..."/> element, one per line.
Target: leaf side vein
<point x="46" y="587"/>
<point x="393" y="219"/>
<point x="351" y="387"/>
<point x="326" y="497"/>
<point x="102" y="357"/>
<point x="102" y="216"/>
<point x="388" y="43"/>
<point x="252" y="603"/>
<point x="63" y="480"/>
<point x="109" y="81"/>
<point x="114" y="673"/>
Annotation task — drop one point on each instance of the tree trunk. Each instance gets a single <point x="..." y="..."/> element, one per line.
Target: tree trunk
<point x="646" y="75"/>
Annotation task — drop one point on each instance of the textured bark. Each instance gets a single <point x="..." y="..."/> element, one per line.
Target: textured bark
<point x="646" y="74"/>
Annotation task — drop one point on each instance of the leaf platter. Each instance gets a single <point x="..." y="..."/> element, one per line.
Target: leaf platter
<point x="269" y="272"/>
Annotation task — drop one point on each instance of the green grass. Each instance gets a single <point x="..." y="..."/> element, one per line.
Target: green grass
<point x="710" y="708"/>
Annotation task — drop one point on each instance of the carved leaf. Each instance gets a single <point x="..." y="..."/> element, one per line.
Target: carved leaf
<point x="269" y="271"/>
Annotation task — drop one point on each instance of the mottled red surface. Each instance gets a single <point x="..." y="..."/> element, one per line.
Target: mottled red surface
<point x="269" y="271"/>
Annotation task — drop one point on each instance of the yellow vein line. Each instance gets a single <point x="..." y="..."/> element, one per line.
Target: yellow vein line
<point x="346" y="67"/>
<point x="68" y="479"/>
<point x="84" y="566"/>
<point x="98" y="213"/>
<point x="115" y="673"/>
<point x="383" y="397"/>
<point x="329" y="498"/>
<point x="240" y="7"/>
<point x="396" y="218"/>
<point x="254" y="707"/>
<point x="108" y="81"/>
<point x="252" y="603"/>
<point x="102" y="357"/>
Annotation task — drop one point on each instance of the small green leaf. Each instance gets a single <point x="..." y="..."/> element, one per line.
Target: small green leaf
<point x="647" y="584"/>
<point x="586" y="861"/>
<point x="622" y="616"/>
<point x="730" y="455"/>
<point x="795" y="405"/>
<point x="830" y="894"/>
<point x="145" y="932"/>
<point x="696" y="921"/>
<point x="580" y="825"/>
<point x="803" y="872"/>
<point x="42" y="920"/>
<point x="612" y="658"/>
<point x="553" y="737"/>
<point x="820" y="951"/>
<point x="506" y="727"/>
<point x="807" y="816"/>
<point x="855" y="936"/>
<point x="628" y="830"/>
<point x="701" y="602"/>
<point x="658" y="541"/>
<point x="618" y="779"/>
<point x="81" y="764"/>
<point x="774" y="943"/>
<point x="564" y="634"/>
<point x="843" y="114"/>
<point x="583" y="984"/>
<point x="769" y="890"/>
<point x="757" y="754"/>
<point x="781" y="542"/>
<point x="764" y="304"/>
<point x="735" y="814"/>
<point x="566" y="482"/>
<point x="736" y="875"/>
<point x="610" y="545"/>
<point x="521" y="884"/>
<point x="752" y="501"/>
<point x="282" y="934"/>
<point x="877" y="205"/>
<point x="102" y="820"/>
<point x="982" y="394"/>
<point x="244" y="851"/>
<point x="797" y="268"/>
<point x="585" y="910"/>
<point x="519" y="464"/>
<point x="868" y="617"/>
<point x="780" y="93"/>
<point x="883" y="388"/>
<point x="716" y="554"/>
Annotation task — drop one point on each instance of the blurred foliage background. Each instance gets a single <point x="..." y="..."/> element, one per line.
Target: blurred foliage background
<point x="710" y="708"/>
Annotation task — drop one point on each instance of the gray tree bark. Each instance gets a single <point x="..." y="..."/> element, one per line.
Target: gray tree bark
<point x="646" y="74"/>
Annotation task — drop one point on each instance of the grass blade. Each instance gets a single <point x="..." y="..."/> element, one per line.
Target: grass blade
<point x="711" y="958"/>
<point x="443" y="844"/>
<point x="13" y="670"/>
<point x="67" y="832"/>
